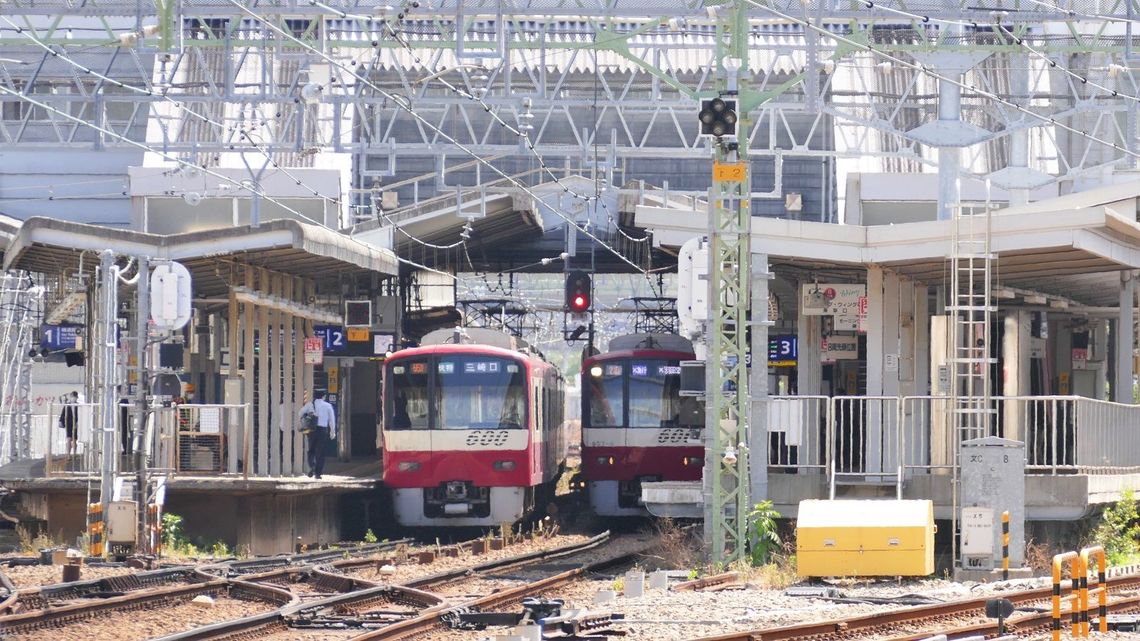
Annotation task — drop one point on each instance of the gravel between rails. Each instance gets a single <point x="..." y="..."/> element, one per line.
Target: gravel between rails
<point x="675" y="616"/>
<point x="411" y="571"/>
<point x="149" y="623"/>
<point x="28" y="576"/>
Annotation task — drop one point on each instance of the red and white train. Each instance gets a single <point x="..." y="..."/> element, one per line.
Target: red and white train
<point x="473" y="429"/>
<point x="636" y="426"/>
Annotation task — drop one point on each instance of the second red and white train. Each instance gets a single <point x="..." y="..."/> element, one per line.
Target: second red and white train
<point x="636" y="426"/>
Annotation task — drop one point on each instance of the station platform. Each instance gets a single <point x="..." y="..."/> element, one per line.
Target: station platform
<point x="258" y="514"/>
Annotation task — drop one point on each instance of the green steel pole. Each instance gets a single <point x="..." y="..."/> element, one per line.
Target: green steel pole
<point x="730" y="214"/>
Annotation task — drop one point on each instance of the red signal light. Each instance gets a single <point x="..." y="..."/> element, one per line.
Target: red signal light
<point x="578" y="288"/>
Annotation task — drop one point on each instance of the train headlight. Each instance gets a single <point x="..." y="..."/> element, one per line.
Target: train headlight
<point x="596" y="371"/>
<point x="408" y="466"/>
<point x="605" y="460"/>
<point x="692" y="460"/>
<point x="504" y="466"/>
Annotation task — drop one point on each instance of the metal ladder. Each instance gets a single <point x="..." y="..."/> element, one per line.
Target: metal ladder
<point x="972" y="308"/>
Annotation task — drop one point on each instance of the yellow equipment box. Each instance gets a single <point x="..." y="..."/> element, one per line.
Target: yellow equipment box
<point x="865" y="538"/>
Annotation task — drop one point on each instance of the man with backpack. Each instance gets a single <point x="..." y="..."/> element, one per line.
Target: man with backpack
<point x="318" y="423"/>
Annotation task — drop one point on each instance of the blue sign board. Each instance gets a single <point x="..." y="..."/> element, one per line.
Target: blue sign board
<point x="336" y="339"/>
<point x="57" y="337"/>
<point x="783" y="348"/>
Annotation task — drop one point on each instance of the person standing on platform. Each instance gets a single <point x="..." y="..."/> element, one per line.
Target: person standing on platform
<point x="69" y="420"/>
<point x="320" y="433"/>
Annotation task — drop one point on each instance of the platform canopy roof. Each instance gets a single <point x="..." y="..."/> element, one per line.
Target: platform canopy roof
<point x="49" y="245"/>
<point x="1071" y="247"/>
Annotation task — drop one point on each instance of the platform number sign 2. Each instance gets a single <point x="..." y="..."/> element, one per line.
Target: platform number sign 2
<point x="333" y="335"/>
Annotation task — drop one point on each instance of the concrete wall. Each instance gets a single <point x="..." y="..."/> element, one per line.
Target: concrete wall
<point x="263" y="524"/>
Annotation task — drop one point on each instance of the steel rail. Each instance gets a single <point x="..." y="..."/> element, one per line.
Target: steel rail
<point x="876" y="623"/>
<point x="411" y="594"/>
<point x="74" y="612"/>
<point x="429" y="621"/>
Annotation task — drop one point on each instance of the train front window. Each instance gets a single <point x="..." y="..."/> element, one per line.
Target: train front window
<point x="480" y="392"/>
<point x="606" y="395"/>
<point x="654" y="393"/>
<point x="407" y="390"/>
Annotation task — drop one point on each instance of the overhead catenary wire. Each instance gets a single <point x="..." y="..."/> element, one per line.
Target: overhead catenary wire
<point x="242" y="132"/>
<point x="400" y="103"/>
<point x="943" y="78"/>
<point x="1018" y="40"/>
<point x="186" y="163"/>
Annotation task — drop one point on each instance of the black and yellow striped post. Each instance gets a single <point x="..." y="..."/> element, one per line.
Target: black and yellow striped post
<point x="95" y="529"/>
<point x="1074" y="571"/>
<point x="1101" y="589"/>
<point x="1005" y="545"/>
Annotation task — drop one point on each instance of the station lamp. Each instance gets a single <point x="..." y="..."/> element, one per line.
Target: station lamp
<point x="718" y="117"/>
<point x="578" y="292"/>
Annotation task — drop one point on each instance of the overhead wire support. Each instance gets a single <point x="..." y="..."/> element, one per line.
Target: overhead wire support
<point x="726" y="474"/>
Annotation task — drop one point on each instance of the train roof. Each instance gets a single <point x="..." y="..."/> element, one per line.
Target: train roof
<point x="473" y="339"/>
<point x="657" y="342"/>
<point x="474" y="336"/>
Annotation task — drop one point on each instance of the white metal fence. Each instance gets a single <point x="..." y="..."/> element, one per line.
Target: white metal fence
<point x="875" y="436"/>
<point x="180" y="439"/>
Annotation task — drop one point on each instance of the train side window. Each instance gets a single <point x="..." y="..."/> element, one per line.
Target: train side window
<point x="407" y="389"/>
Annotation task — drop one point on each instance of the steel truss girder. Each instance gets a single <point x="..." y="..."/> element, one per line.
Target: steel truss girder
<point x="480" y="9"/>
<point x="646" y="107"/>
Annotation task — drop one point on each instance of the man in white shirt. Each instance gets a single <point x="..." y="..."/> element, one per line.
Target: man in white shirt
<point x="325" y="430"/>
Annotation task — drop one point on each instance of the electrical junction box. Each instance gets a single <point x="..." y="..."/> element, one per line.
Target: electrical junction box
<point x="122" y="525"/>
<point x="865" y="538"/>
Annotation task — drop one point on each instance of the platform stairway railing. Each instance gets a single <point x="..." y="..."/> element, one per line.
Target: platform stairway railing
<point x="867" y="439"/>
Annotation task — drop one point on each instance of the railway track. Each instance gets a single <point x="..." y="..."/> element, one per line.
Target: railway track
<point x="430" y="622"/>
<point x="956" y="619"/>
<point x="52" y="621"/>
<point x="364" y="610"/>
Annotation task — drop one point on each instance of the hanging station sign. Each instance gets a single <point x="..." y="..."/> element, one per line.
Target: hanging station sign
<point x="845" y="303"/>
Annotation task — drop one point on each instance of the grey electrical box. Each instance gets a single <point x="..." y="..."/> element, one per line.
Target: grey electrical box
<point x="993" y="481"/>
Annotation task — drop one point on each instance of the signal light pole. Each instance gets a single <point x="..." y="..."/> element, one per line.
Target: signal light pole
<point x="578" y="301"/>
<point x="727" y="401"/>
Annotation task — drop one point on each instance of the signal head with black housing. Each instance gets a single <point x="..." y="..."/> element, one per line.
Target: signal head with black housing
<point x="579" y="292"/>
<point x="718" y="117"/>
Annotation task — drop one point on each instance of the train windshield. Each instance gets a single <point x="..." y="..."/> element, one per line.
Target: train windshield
<point x="457" y="392"/>
<point x="634" y="392"/>
<point x="480" y="392"/>
<point x="606" y="394"/>
<point x="654" y="393"/>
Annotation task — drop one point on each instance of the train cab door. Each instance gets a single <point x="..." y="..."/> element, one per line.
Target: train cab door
<point x="536" y="434"/>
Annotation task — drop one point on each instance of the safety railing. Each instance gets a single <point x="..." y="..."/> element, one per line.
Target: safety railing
<point x="179" y="439"/>
<point x="797" y="432"/>
<point x="872" y="437"/>
<point x="197" y="439"/>
<point x="67" y="438"/>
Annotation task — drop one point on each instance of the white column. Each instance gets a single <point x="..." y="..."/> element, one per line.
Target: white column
<point x="758" y="380"/>
<point x="809" y="372"/>
<point x="887" y="425"/>
<point x="1015" y="369"/>
<point x="875" y="350"/>
<point x="1122" y="383"/>
<point x="919" y="413"/>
